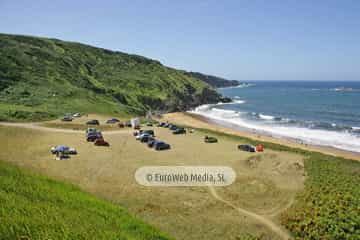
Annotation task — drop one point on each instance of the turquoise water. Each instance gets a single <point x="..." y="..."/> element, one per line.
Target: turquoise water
<point x="319" y="113"/>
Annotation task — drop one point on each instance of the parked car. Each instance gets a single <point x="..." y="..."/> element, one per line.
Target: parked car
<point x="172" y="127"/>
<point x="94" y="136"/>
<point x="161" y="124"/>
<point x="247" y="148"/>
<point x="90" y="130"/>
<point x="113" y="120"/>
<point x="137" y="127"/>
<point x="60" y="148"/>
<point x="146" y="138"/>
<point x="101" y="142"/>
<point x="149" y="124"/>
<point x="138" y="137"/>
<point x="67" y="119"/>
<point x="63" y="149"/>
<point x="128" y="124"/>
<point x="121" y="125"/>
<point x="166" y="125"/>
<point x="179" y="131"/>
<point x="76" y="115"/>
<point x="139" y="132"/>
<point x="149" y="131"/>
<point x="93" y="122"/>
<point x="152" y="142"/>
<point x="161" y="146"/>
<point x="208" y="139"/>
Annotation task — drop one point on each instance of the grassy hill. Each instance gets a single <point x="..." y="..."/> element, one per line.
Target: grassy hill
<point x="42" y="78"/>
<point x="35" y="207"/>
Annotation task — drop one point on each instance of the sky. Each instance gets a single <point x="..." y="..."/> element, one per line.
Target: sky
<point x="235" y="39"/>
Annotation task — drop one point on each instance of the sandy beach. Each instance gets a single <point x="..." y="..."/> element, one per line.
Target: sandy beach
<point x="197" y="121"/>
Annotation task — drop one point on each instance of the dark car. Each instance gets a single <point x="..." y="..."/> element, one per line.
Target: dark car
<point x="179" y="131"/>
<point x="247" y="148"/>
<point x="161" y="124"/>
<point x="91" y="130"/>
<point x="139" y="132"/>
<point x="67" y="119"/>
<point x="161" y="146"/>
<point x="149" y="124"/>
<point x="93" y="137"/>
<point x="210" y="139"/>
<point x="166" y="125"/>
<point x="140" y="135"/>
<point x="146" y="138"/>
<point x="101" y="142"/>
<point x="152" y="142"/>
<point x="113" y="120"/>
<point x="172" y="127"/>
<point x="148" y="131"/>
<point x="93" y="122"/>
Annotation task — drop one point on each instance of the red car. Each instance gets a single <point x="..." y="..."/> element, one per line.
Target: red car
<point x="101" y="142"/>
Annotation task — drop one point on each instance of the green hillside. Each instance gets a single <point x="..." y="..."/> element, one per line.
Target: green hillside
<point x="35" y="207"/>
<point x="42" y="78"/>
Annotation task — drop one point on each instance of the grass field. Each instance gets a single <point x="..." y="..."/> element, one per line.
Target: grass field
<point x="266" y="182"/>
<point x="269" y="191"/>
<point x="35" y="207"/>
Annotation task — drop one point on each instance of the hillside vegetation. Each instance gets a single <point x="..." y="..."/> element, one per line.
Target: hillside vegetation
<point x="42" y="78"/>
<point x="35" y="207"/>
<point x="329" y="208"/>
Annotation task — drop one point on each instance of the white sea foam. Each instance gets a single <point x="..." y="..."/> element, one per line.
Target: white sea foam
<point x="223" y="110"/>
<point x="341" y="140"/>
<point x="241" y="85"/>
<point x="266" y="117"/>
<point x="233" y="102"/>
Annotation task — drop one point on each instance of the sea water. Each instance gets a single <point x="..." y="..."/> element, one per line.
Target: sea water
<point x="323" y="113"/>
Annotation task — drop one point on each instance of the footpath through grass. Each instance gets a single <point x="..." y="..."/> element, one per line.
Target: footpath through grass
<point x="35" y="207"/>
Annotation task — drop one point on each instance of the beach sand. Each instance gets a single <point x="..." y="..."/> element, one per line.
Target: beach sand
<point x="197" y="121"/>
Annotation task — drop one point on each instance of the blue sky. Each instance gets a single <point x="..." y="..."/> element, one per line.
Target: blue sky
<point x="243" y="40"/>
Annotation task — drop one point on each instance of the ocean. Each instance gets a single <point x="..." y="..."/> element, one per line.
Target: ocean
<point x="310" y="112"/>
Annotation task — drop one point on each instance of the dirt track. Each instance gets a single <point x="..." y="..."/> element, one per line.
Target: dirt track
<point x="262" y="219"/>
<point x="37" y="126"/>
